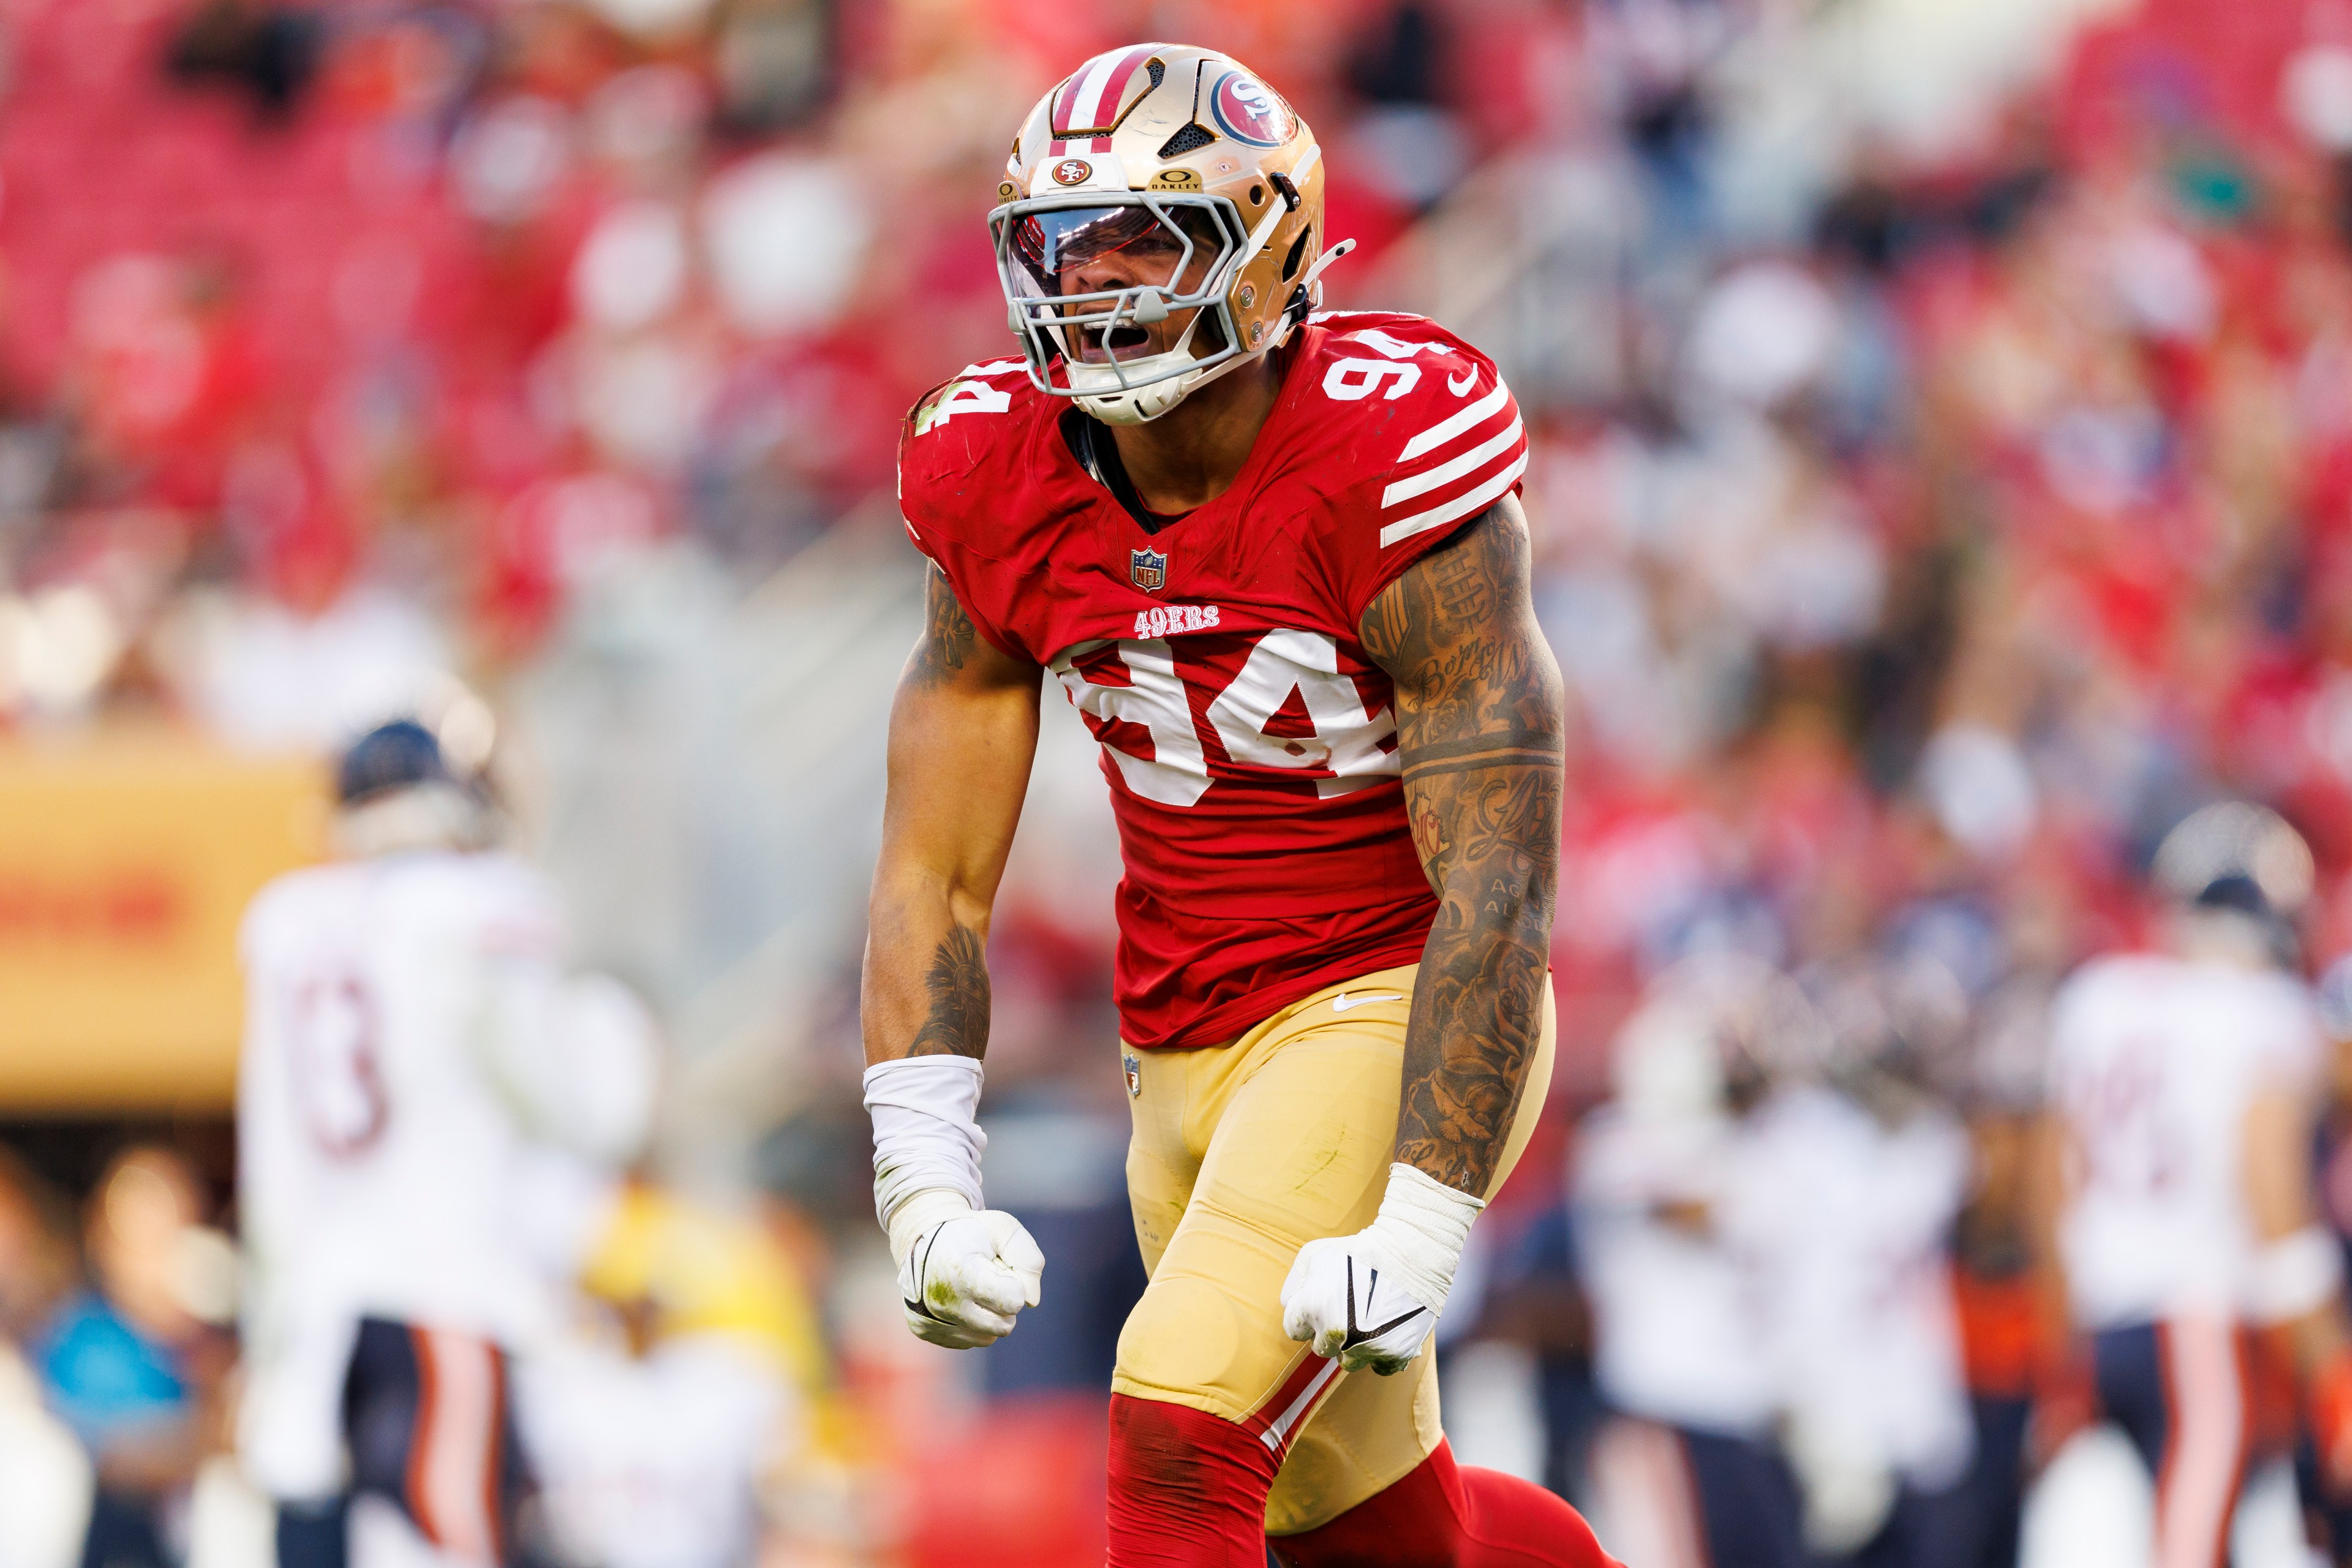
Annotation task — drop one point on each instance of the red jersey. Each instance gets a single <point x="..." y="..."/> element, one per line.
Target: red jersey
<point x="1249" y="740"/>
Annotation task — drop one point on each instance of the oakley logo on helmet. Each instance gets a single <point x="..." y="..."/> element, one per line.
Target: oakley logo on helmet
<point x="1250" y="111"/>
<point x="1072" y="172"/>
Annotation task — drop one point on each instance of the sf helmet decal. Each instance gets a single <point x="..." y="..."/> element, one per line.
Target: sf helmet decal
<point x="1250" y="111"/>
<point x="1072" y="172"/>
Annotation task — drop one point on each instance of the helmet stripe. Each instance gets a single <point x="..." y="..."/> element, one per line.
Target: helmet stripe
<point x="1093" y="95"/>
<point x="1086" y="89"/>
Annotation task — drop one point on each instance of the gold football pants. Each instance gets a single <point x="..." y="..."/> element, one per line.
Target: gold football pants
<point x="1241" y="1155"/>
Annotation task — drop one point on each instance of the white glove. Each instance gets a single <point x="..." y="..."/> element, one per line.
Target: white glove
<point x="964" y="1274"/>
<point x="1371" y="1298"/>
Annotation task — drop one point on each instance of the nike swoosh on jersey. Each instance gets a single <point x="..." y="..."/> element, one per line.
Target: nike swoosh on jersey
<point x="1460" y="384"/>
<point x="1342" y="1002"/>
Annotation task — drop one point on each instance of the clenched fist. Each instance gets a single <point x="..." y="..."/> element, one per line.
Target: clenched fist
<point x="964" y="1274"/>
<point x="1373" y="1298"/>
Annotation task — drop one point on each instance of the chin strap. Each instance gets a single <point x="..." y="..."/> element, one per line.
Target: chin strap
<point x="1305" y="298"/>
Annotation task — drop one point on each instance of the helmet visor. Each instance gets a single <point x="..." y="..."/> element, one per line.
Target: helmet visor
<point x="1053" y="246"/>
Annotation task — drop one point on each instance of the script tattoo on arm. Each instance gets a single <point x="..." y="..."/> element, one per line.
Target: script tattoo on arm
<point x="957" y="984"/>
<point x="948" y="633"/>
<point x="1480" y="737"/>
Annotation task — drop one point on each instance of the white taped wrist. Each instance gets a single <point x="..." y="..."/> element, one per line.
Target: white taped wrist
<point x="1426" y="1224"/>
<point x="926" y="1134"/>
<point x="2293" y="1275"/>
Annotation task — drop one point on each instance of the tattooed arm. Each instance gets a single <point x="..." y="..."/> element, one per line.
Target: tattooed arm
<point x="1480" y="738"/>
<point x="964" y="729"/>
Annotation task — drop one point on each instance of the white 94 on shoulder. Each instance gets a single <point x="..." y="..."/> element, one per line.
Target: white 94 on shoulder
<point x="1372" y="1299"/>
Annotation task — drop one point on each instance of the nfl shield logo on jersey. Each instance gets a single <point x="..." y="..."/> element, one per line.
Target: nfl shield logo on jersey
<point x="1134" y="1070"/>
<point x="1148" y="568"/>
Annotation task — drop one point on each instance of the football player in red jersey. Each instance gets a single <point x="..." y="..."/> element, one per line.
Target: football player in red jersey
<point x="1277" y="562"/>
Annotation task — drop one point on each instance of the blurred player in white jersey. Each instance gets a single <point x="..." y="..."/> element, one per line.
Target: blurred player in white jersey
<point x="1853" y="1185"/>
<point x="406" y="1053"/>
<point x="1689" y="1477"/>
<point x="2184" y="1084"/>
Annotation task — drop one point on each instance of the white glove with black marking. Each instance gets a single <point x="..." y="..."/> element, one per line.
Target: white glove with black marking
<point x="963" y="1273"/>
<point x="964" y="1270"/>
<point x="1371" y="1298"/>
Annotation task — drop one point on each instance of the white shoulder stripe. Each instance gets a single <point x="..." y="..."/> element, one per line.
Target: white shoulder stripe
<point x="1445" y="429"/>
<point x="1460" y="506"/>
<point x="1446" y="473"/>
<point x="993" y="367"/>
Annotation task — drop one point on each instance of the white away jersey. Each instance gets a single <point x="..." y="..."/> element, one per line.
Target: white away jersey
<point x="2154" y="1063"/>
<point x="1850" y="1221"/>
<point x="401" y="1047"/>
<point x="1676" y="1315"/>
<point x="653" y="1463"/>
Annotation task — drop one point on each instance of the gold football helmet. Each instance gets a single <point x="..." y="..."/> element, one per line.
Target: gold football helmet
<point x="1160" y="222"/>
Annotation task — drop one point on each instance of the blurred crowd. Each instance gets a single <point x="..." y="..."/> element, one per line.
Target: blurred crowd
<point x="1928" y="521"/>
<point x="343" y="346"/>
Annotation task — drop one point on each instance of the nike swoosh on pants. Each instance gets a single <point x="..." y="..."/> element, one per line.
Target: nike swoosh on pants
<point x="1342" y="1002"/>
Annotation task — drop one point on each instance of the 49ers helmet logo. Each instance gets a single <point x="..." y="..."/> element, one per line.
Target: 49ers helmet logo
<point x="1072" y="172"/>
<point x="1250" y="111"/>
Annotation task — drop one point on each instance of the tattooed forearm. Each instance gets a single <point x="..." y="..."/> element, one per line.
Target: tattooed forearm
<point x="948" y="634"/>
<point x="963" y="729"/>
<point x="957" y="984"/>
<point x="1480" y="728"/>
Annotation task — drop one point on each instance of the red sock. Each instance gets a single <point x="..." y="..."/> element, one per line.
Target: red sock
<point x="1187" y="1489"/>
<point x="1442" y="1516"/>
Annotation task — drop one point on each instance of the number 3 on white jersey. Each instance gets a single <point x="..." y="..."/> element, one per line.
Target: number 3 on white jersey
<point x="1347" y="740"/>
<point x="337" y="1077"/>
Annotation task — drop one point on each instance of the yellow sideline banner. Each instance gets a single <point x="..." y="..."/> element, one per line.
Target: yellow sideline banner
<point x="126" y="861"/>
